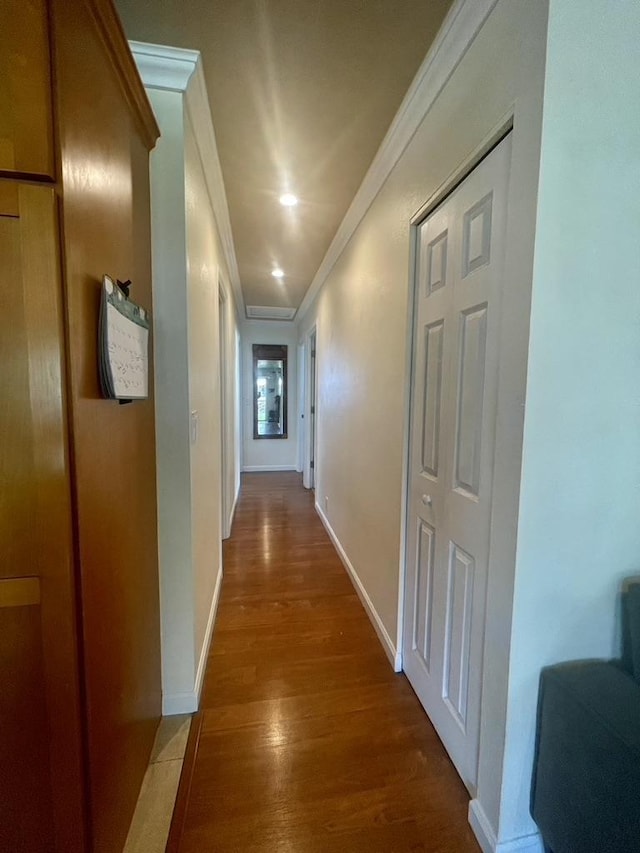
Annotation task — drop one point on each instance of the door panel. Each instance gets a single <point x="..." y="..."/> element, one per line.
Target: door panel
<point x="458" y="632"/>
<point x="432" y="397"/>
<point x="26" y="815"/>
<point x="470" y="399"/>
<point x="39" y="705"/>
<point x="453" y="406"/>
<point x="423" y="610"/>
<point x="26" y="143"/>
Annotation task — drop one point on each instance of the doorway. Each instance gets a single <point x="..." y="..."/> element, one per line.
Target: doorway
<point x="458" y="284"/>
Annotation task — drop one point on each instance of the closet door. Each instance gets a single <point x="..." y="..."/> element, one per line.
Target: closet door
<point x="458" y="291"/>
<point x="25" y="88"/>
<point x="40" y="758"/>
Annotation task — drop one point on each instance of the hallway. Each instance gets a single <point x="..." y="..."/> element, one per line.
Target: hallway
<point x="309" y="742"/>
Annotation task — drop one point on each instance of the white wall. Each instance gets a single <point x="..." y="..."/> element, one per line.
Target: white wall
<point x="267" y="454"/>
<point x="577" y="530"/>
<point x="363" y="327"/>
<point x="203" y="260"/>
<point x="232" y="424"/>
<point x="578" y="534"/>
<point x="171" y="352"/>
<point x="190" y="266"/>
<point x="361" y="311"/>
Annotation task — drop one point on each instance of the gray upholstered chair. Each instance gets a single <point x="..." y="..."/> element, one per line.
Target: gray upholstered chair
<point x="585" y="794"/>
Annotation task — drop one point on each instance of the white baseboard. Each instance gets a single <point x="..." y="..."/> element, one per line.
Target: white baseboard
<point x="179" y="703"/>
<point x="226" y="533"/>
<point x="189" y="702"/>
<point x="232" y="514"/>
<point x="487" y="840"/>
<point x="204" y="652"/>
<point x="383" y="635"/>
<point x="252" y="468"/>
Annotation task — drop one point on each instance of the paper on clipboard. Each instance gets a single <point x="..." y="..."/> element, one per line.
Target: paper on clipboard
<point x="124" y="346"/>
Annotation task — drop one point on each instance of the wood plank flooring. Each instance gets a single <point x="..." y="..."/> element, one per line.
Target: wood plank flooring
<point x="309" y="742"/>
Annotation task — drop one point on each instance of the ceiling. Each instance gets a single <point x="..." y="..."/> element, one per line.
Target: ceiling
<point x="302" y="93"/>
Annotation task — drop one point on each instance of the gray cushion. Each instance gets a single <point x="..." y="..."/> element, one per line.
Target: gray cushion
<point x="586" y="779"/>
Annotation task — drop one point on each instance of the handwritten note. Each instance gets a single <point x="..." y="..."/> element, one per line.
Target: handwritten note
<point x="124" y="332"/>
<point x="127" y="346"/>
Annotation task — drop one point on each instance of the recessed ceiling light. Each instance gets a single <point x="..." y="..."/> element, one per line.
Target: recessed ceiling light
<point x="288" y="200"/>
<point x="277" y="273"/>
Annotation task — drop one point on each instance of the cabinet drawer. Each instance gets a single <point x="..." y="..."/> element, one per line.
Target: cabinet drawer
<point x="26" y="144"/>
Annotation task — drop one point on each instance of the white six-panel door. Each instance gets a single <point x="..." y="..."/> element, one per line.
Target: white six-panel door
<point x="458" y="283"/>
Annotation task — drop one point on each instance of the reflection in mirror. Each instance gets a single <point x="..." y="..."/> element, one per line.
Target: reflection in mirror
<point x="269" y="391"/>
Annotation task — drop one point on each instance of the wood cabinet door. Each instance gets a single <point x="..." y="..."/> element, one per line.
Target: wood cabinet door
<point x="26" y="144"/>
<point x="41" y="805"/>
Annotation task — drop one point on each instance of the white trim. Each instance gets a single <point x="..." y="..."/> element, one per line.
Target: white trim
<point x="481" y="827"/>
<point x="406" y="438"/>
<point x="300" y="405"/>
<point x="199" y="111"/>
<point x="163" y="67"/>
<point x="232" y="514"/>
<point x="204" y="652"/>
<point x="180" y="70"/>
<point x="270" y="312"/>
<point x="309" y="475"/>
<point x="189" y="702"/>
<point x="179" y="703"/>
<point x="252" y="468"/>
<point x="272" y="325"/>
<point x="372" y="613"/>
<point x="486" y="837"/>
<point x="459" y="29"/>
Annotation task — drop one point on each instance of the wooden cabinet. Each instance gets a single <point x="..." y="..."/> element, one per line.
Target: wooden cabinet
<point x="41" y="807"/>
<point x="79" y="611"/>
<point x="25" y="806"/>
<point x="26" y="139"/>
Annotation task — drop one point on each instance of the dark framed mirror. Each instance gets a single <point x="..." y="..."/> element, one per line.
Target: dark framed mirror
<point x="269" y="391"/>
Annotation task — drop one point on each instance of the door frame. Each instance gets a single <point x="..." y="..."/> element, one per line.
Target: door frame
<point x="493" y="139"/>
<point x="300" y="400"/>
<point x="225" y="410"/>
<point x="310" y="446"/>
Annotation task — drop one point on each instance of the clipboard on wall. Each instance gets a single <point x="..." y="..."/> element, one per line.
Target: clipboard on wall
<point x="123" y="350"/>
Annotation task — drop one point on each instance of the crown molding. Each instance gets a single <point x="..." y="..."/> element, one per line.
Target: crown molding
<point x="199" y="110"/>
<point x="459" y="29"/>
<point x="178" y="70"/>
<point x="163" y="67"/>
<point x="285" y="326"/>
<point x="110" y="29"/>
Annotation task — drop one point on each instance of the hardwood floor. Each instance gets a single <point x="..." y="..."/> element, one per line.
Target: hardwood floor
<point x="309" y="742"/>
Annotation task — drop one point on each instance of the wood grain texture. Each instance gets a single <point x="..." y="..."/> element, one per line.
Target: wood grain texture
<point x="109" y="26"/>
<point x="105" y="202"/>
<point x="19" y="592"/>
<point x="26" y="810"/>
<point x="26" y="135"/>
<point x="309" y="741"/>
<point x="39" y="669"/>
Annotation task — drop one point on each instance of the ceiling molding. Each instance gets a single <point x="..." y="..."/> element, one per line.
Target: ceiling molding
<point x="270" y="312"/>
<point x="287" y="327"/>
<point x="199" y="111"/>
<point x="178" y="70"/>
<point x="164" y="67"/>
<point x="459" y="29"/>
